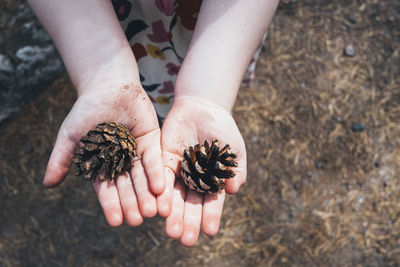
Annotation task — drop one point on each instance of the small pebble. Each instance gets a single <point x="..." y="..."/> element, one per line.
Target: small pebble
<point x="358" y="127"/>
<point x="349" y="51"/>
<point x="321" y="163"/>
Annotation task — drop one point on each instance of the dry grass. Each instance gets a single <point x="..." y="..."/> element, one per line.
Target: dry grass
<point x="317" y="192"/>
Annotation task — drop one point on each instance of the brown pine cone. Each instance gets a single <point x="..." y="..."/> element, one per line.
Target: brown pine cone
<point x="204" y="168"/>
<point x="108" y="150"/>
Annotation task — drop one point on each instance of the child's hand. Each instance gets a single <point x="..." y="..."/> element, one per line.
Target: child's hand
<point x="223" y="43"/>
<point x="191" y="121"/>
<point x="104" y="71"/>
<point x="130" y="197"/>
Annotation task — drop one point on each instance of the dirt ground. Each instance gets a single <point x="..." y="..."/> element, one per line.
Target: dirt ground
<point x="321" y="190"/>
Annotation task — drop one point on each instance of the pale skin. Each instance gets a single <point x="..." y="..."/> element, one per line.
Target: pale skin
<point x="102" y="67"/>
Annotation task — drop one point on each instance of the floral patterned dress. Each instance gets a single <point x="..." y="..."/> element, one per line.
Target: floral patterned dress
<point x="159" y="32"/>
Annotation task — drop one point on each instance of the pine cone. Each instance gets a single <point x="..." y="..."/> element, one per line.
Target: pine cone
<point x="204" y="168"/>
<point x="108" y="150"/>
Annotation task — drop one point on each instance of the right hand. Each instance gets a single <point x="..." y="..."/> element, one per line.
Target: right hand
<point x="191" y="121"/>
<point x="132" y="196"/>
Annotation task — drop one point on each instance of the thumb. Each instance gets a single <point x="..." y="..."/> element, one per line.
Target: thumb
<point x="60" y="159"/>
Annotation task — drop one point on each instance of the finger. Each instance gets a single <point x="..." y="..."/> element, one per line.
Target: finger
<point x="164" y="201"/>
<point x="212" y="210"/>
<point x="128" y="200"/>
<point x="146" y="199"/>
<point x="174" y="222"/>
<point x="152" y="160"/>
<point x="60" y="160"/>
<point x="107" y="194"/>
<point x="233" y="185"/>
<point x="172" y="160"/>
<point x="192" y="218"/>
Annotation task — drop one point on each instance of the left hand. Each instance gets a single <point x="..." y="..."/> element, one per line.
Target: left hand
<point x="132" y="195"/>
<point x="191" y="121"/>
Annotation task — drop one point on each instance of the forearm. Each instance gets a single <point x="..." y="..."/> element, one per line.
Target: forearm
<point x="226" y="36"/>
<point x="90" y="41"/>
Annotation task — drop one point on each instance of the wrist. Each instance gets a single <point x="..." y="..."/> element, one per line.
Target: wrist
<point x="211" y="79"/>
<point x="111" y="88"/>
<point x="211" y="95"/>
<point x="202" y="102"/>
<point x="115" y="72"/>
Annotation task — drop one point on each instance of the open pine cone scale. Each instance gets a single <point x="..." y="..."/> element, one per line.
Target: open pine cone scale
<point x="205" y="167"/>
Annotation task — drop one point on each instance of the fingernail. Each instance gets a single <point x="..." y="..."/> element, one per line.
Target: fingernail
<point x="134" y="218"/>
<point x="149" y="210"/>
<point x="174" y="231"/>
<point x="164" y="209"/>
<point x="213" y="227"/>
<point x="188" y="238"/>
<point x="115" y="219"/>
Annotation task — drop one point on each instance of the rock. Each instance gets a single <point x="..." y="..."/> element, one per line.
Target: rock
<point x="5" y="64"/>
<point x="358" y="127"/>
<point x="32" y="53"/>
<point x="35" y="63"/>
<point x="25" y="13"/>
<point x="6" y="112"/>
<point x="40" y="35"/>
<point x="7" y="79"/>
<point x="349" y="51"/>
<point x="35" y="33"/>
<point x="39" y="66"/>
<point x="7" y="83"/>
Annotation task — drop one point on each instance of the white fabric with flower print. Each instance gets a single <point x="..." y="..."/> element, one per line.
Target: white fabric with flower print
<point x="159" y="32"/>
